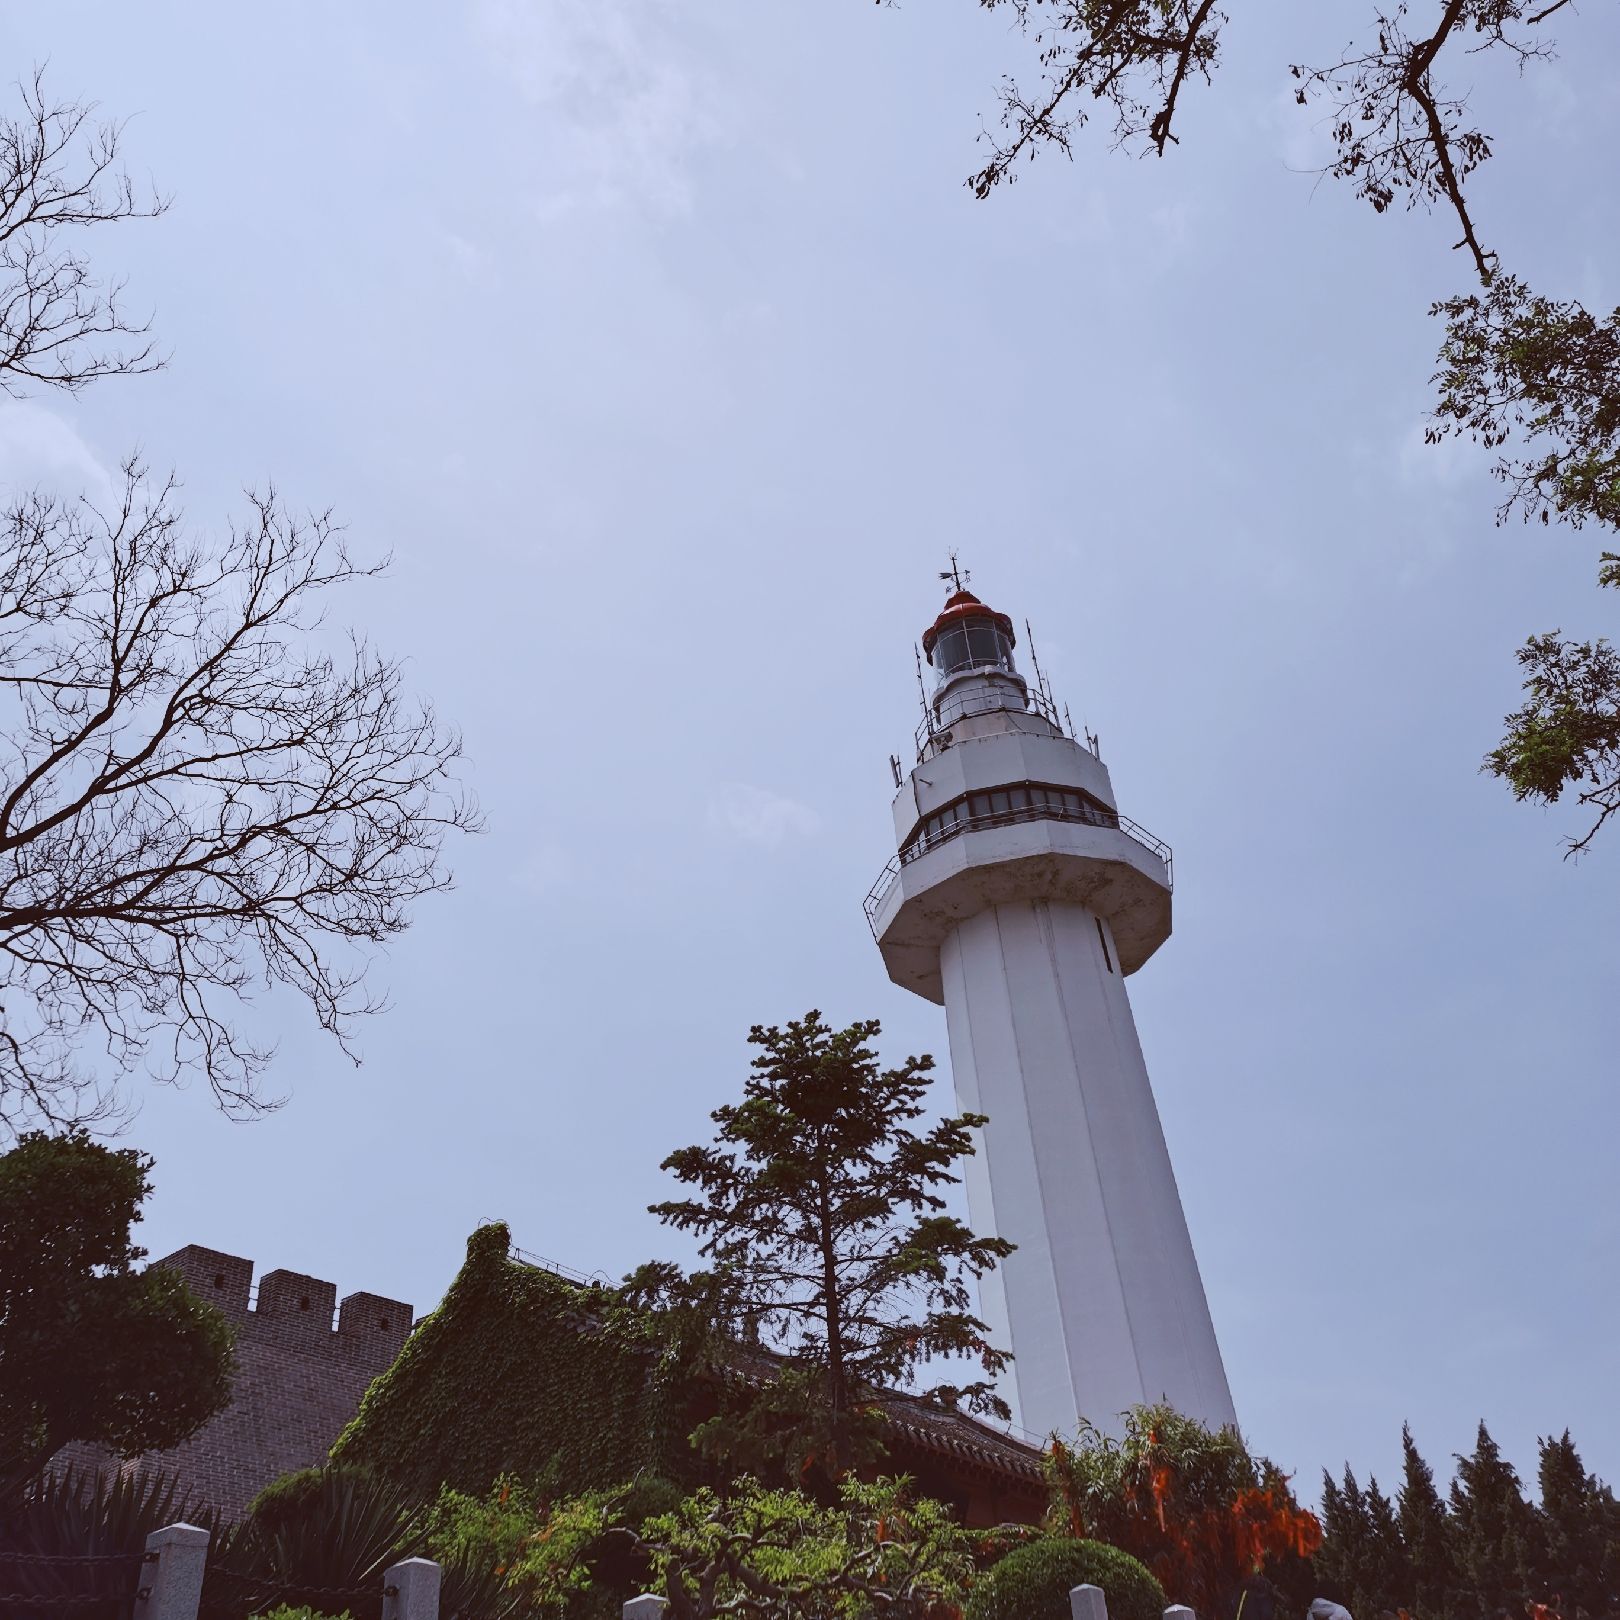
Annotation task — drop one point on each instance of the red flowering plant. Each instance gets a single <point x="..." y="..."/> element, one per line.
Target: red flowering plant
<point x="1191" y="1503"/>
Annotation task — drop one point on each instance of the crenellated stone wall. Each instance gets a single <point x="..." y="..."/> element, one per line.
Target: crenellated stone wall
<point x="299" y="1377"/>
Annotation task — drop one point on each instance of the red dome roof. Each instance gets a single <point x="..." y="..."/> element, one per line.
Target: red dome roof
<point x="964" y="605"/>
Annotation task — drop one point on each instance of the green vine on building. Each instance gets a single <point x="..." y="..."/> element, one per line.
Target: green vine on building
<point x="520" y="1372"/>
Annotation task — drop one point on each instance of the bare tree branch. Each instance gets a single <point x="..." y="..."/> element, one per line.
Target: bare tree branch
<point x="195" y="803"/>
<point x="59" y="326"/>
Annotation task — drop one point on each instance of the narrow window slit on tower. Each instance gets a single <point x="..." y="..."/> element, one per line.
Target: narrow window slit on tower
<point x="1102" y="939"/>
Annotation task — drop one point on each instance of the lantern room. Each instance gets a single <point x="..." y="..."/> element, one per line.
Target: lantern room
<point x="968" y="637"/>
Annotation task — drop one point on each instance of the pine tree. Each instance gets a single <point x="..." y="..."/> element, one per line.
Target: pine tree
<point x="823" y="1223"/>
<point x="1362" y="1560"/>
<point x="1496" y="1531"/>
<point x="1342" y="1535"/>
<point x="1388" y="1579"/>
<point x="1429" y="1536"/>
<point x="1578" y="1554"/>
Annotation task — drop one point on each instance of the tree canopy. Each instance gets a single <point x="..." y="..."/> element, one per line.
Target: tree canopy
<point x="1486" y="1551"/>
<point x="60" y="173"/>
<point x="826" y="1238"/>
<point x="1531" y="377"/>
<point x="90" y="1348"/>
<point x="199" y="798"/>
<point x="752" y="1551"/>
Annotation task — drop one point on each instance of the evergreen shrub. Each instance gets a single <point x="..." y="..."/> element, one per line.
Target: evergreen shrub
<point x="1034" y="1582"/>
<point x="292" y="1499"/>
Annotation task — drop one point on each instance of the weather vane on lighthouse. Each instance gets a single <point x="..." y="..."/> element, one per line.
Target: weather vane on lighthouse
<point x="1020" y="899"/>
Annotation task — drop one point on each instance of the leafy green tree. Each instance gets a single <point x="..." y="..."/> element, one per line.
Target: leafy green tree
<point x="1537" y="375"/>
<point x="1578" y="1552"/>
<point x="90" y="1348"/>
<point x="1496" y="1531"/>
<point x="826" y="1238"/>
<point x="756" y="1552"/>
<point x="584" y="1567"/>
<point x="1428" y="1534"/>
<point x="1567" y="734"/>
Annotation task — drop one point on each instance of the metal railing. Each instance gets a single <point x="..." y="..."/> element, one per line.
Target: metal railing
<point x="1049" y="811"/>
<point x="586" y="1279"/>
<point x="963" y="703"/>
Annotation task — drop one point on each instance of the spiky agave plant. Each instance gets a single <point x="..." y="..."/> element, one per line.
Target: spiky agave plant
<point x="323" y="1539"/>
<point x="80" y="1534"/>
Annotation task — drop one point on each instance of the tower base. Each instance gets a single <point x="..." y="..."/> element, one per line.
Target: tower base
<point x="1102" y="1298"/>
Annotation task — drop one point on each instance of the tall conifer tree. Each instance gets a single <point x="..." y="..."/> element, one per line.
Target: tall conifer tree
<point x="1578" y="1564"/>
<point x="821" y="1217"/>
<point x="1428" y="1534"/>
<point x="1389" y="1573"/>
<point x="1362" y="1558"/>
<point x="1496" y="1531"/>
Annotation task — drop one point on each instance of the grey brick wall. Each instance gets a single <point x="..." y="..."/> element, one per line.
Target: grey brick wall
<point x="299" y="1377"/>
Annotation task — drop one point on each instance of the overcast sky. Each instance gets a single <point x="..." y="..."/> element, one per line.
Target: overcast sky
<point x="665" y="351"/>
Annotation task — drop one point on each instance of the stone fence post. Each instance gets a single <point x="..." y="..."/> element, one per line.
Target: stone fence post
<point x="411" y="1590"/>
<point x="1088" y="1603"/>
<point x="1179" y="1611"/>
<point x="649" y="1606"/>
<point x="171" y="1579"/>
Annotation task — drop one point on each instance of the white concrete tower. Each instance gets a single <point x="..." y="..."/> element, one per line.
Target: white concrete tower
<point x="1020" y="899"/>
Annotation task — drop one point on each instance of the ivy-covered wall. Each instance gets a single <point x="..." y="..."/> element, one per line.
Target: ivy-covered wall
<point x="507" y="1376"/>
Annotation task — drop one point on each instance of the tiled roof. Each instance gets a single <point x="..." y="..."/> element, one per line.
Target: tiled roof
<point x="939" y="1429"/>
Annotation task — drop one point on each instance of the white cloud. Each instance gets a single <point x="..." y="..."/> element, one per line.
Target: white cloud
<point x="40" y="450"/>
<point x="622" y="107"/>
<point x="759" y="816"/>
<point x="472" y="262"/>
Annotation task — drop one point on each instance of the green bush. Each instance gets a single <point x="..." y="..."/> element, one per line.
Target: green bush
<point x="286" y="1613"/>
<point x="1034" y="1582"/>
<point x="287" y="1499"/>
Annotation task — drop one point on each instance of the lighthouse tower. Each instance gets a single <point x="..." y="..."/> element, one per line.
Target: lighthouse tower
<point x="1021" y="899"/>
